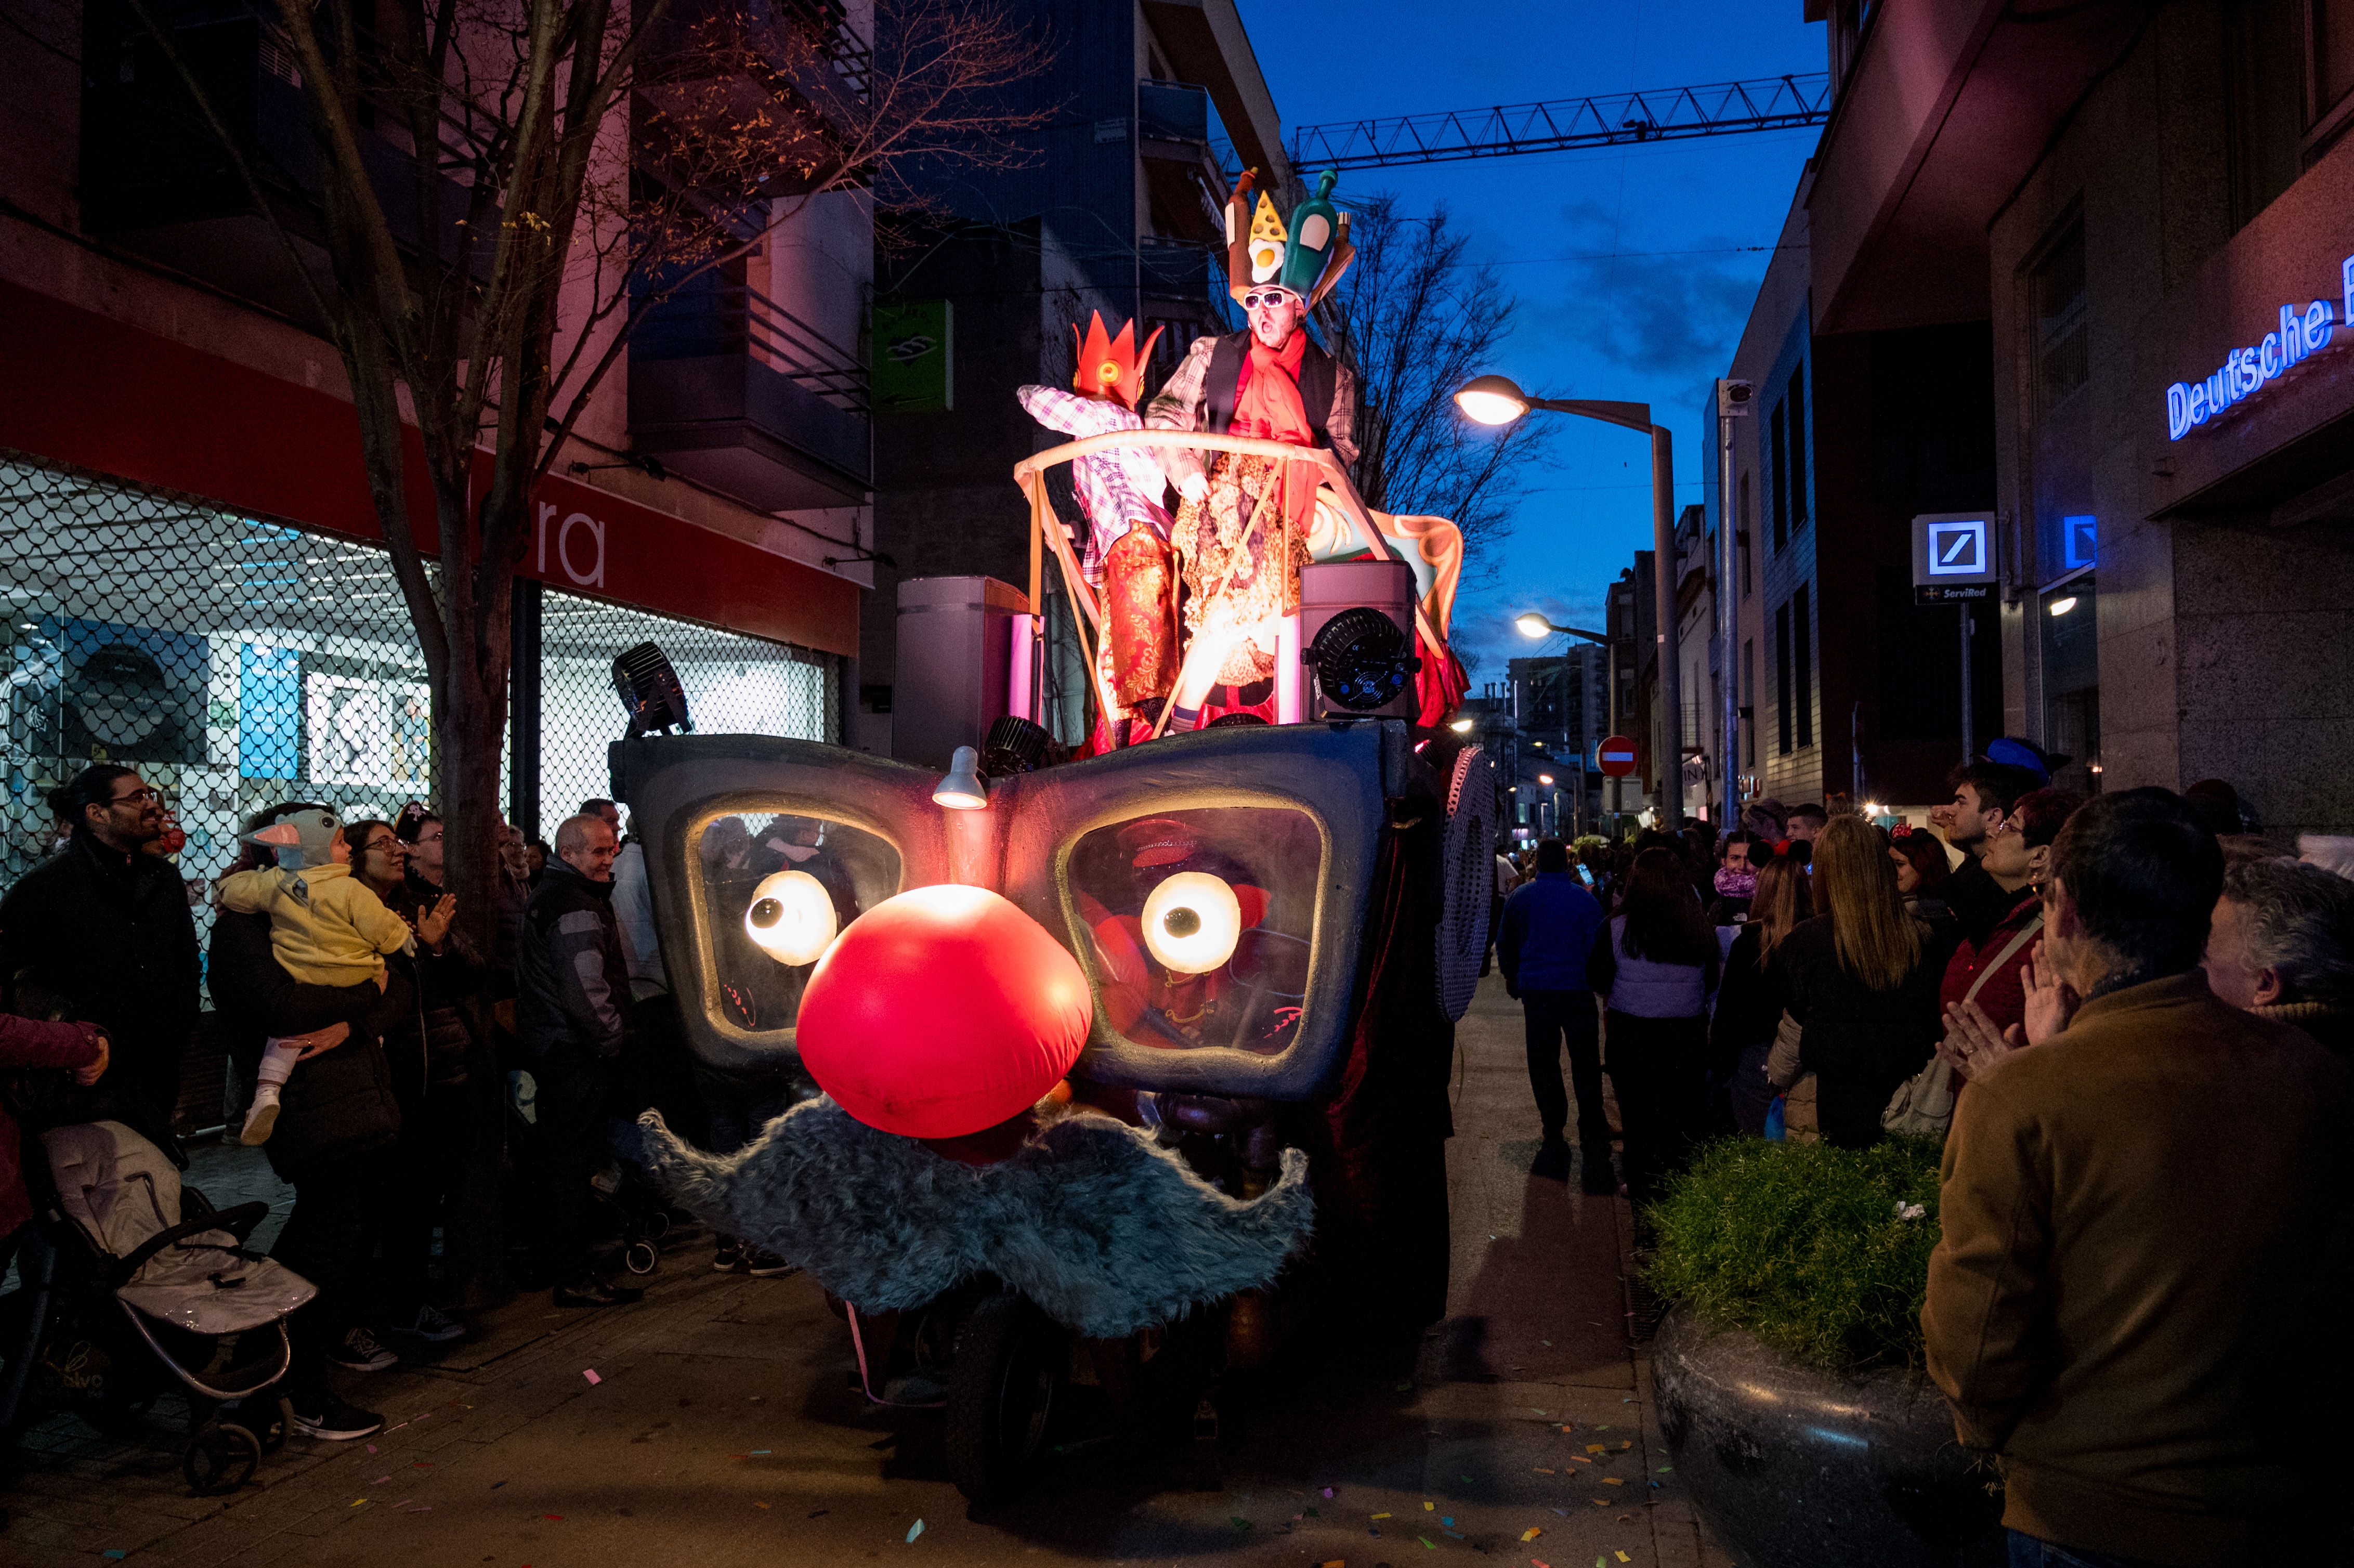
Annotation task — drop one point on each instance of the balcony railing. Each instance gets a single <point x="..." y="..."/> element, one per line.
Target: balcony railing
<point x="742" y="320"/>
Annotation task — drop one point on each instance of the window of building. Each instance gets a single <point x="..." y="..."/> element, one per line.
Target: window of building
<point x="1746" y="531"/>
<point x="2061" y="362"/>
<point x="1781" y="678"/>
<point x="1797" y="451"/>
<point x="2330" y="48"/>
<point x="1749" y="705"/>
<point x="1802" y="665"/>
<point x="1776" y="426"/>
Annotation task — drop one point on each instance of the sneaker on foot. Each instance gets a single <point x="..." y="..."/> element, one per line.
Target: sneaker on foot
<point x="359" y="1351"/>
<point x="762" y="1265"/>
<point x="726" y="1258"/>
<point x="336" y="1422"/>
<point x="432" y="1325"/>
<point x="262" y="1116"/>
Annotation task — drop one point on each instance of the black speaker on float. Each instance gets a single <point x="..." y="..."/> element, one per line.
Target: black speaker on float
<point x="1357" y="653"/>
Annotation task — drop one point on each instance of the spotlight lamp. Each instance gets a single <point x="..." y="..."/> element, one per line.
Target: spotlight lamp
<point x="962" y="789"/>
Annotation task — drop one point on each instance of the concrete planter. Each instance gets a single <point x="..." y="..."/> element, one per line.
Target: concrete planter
<point x="1796" y="1467"/>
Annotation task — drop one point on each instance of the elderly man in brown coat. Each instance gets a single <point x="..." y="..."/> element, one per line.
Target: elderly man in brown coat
<point x="2137" y="1301"/>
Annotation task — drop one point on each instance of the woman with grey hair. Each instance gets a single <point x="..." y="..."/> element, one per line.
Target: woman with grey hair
<point x="2282" y="946"/>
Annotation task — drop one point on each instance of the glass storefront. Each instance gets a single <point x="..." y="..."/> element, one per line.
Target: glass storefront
<point x="2068" y="619"/>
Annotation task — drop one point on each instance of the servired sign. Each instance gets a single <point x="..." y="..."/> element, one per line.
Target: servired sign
<point x="1615" y="757"/>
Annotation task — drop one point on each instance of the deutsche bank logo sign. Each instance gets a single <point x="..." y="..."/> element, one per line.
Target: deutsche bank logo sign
<point x="1957" y="549"/>
<point x="1953" y="556"/>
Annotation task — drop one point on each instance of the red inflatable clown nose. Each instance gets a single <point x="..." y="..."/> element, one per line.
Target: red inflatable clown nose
<point x="942" y="1012"/>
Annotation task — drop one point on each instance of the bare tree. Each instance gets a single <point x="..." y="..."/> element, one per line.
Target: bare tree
<point x="504" y="189"/>
<point x="569" y="164"/>
<point x="1416" y="319"/>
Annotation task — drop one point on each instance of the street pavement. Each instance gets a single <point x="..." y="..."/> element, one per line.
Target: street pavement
<point x="713" y="1426"/>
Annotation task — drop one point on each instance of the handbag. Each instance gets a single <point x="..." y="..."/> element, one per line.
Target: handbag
<point x="1922" y="1105"/>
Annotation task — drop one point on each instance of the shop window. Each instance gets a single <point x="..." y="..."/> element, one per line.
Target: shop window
<point x="1781" y="678"/>
<point x="2063" y="362"/>
<point x="1775" y="426"/>
<point x="2069" y="628"/>
<point x="1802" y="665"/>
<point x="237" y="662"/>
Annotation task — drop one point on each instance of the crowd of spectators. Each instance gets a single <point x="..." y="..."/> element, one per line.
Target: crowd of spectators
<point x="464" y="1095"/>
<point x="2129" y="1021"/>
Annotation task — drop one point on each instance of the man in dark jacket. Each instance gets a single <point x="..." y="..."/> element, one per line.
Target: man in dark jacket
<point x="1549" y="927"/>
<point x="2138" y="1296"/>
<point x="103" y="929"/>
<point x="572" y="1011"/>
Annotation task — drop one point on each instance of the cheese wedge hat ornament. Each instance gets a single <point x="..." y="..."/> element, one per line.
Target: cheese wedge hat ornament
<point x="1306" y="255"/>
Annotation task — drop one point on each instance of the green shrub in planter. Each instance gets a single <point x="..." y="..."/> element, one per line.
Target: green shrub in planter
<point x="1822" y="1253"/>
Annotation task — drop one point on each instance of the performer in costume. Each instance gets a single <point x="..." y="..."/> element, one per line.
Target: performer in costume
<point x="1127" y="557"/>
<point x="1242" y="530"/>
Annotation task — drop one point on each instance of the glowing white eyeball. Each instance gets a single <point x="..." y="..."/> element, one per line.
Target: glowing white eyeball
<point x="792" y="917"/>
<point x="1191" y="923"/>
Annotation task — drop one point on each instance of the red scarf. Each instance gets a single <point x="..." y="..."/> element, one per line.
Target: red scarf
<point x="1267" y="403"/>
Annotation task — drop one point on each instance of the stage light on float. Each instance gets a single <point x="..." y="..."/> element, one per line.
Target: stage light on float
<point x="1191" y="922"/>
<point x="962" y="789"/>
<point x="792" y="917"/>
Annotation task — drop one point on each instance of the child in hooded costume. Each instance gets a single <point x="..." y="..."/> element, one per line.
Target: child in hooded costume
<point x="325" y="929"/>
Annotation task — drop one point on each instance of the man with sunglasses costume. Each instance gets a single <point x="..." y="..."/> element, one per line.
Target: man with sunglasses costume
<point x="1241" y="531"/>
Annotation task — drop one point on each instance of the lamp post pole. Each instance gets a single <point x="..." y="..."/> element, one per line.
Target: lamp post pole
<point x="1494" y="400"/>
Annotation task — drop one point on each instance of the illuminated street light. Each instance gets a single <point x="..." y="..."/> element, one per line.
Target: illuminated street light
<point x="1492" y="400"/>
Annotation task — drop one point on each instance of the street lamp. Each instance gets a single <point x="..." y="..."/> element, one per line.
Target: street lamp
<point x="1498" y="400"/>
<point x="1531" y="624"/>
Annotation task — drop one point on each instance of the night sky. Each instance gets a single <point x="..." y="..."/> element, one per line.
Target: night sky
<point x="1634" y="266"/>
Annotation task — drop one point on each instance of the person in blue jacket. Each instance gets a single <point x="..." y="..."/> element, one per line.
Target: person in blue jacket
<point x="1549" y="927"/>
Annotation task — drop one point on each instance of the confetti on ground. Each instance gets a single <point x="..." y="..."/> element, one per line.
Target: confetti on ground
<point x="379" y="1481"/>
<point x="1625" y="1445"/>
<point x="371" y="1447"/>
<point x="556" y="1517"/>
<point x="1532" y="1533"/>
<point x="1601" y="1502"/>
<point x="1622" y="1556"/>
<point x="760" y="1505"/>
<point x="820" y="1513"/>
<point x="760" y="1453"/>
<point x="1328" y="1491"/>
<point x="421" y="1465"/>
<point x="1611" y="1481"/>
<point x="1665" y="1468"/>
<point x="115" y="1553"/>
<point x="588" y="1372"/>
<point x="1429" y="1507"/>
<point x="356" y="1501"/>
<point x="1543" y="1471"/>
<point x="1427" y="1544"/>
<point x="1381" y="1516"/>
<point x="1238" y="1522"/>
<point x="497" y="1484"/>
<point x="1447" y="1519"/>
<point x="1595" y="1448"/>
<point x="914" y="1531"/>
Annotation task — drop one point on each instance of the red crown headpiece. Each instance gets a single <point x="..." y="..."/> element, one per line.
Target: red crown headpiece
<point x="1111" y="367"/>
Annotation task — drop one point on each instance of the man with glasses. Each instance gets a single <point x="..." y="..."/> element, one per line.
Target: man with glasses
<point x="101" y="931"/>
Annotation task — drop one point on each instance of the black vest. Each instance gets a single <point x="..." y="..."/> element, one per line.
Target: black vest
<point x="1226" y="367"/>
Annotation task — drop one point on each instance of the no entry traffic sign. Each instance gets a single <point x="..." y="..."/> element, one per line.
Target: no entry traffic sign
<point x="1615" y="757"/>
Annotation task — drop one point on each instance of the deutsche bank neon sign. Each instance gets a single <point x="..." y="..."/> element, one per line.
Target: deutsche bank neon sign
<point x="2248" y="371"/>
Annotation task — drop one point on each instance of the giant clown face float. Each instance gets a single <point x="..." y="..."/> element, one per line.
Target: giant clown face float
<point x="1183" y="917"/>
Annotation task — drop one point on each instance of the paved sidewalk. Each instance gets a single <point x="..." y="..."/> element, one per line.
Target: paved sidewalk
<point x="718" y="1430"/>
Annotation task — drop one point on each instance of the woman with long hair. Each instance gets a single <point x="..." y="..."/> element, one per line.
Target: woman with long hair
<point x="1655" y="963"/>
<point x="1862" y="980"/>
<point x="1749" y="1006"/>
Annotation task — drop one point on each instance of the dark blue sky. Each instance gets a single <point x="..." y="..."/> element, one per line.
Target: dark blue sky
<point x="1634" y="266"/>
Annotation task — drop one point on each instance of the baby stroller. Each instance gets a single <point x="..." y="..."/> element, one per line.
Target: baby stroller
<point x="131" y="1283"/>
